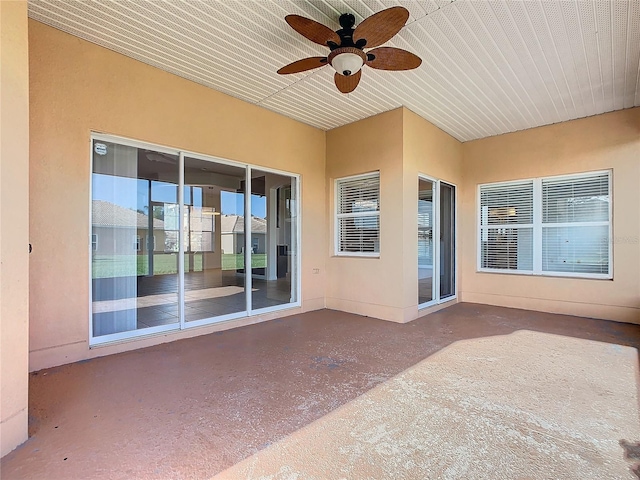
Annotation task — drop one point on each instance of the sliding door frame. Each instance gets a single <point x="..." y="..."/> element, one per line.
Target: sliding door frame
<point x="137" y="334"/>
<point x="297" y="273"/>
<point x="435" y="285"/>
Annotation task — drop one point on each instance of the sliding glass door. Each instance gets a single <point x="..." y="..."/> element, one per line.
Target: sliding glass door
<point x="172" y="235"/>
<point x="436" y="242"/>
<point x="214" y="229"/>
<point x="447" y="234"/>
<point x="134" y="249"/>
<point x="426" y="246"/>
<point x="274" y="239"/>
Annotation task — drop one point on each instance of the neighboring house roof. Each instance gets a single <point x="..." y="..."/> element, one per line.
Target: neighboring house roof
<point x="228" y="223"/>
<point x="235" y="224"/>
<point x="107" y="214"/>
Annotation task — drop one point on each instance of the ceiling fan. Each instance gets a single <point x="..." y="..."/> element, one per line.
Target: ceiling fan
<point x="347" y="55"/>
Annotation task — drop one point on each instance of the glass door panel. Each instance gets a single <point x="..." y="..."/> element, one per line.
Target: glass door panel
<point x="133" y="258"/>
<point x="214" y="232"/>
<point x="447" y="240"/>
<point x="426" y="247"/>
<point x="436" y="242"/>
<point x="274" y="249"/>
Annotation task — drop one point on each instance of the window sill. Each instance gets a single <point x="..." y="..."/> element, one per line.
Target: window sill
<point x="356" y="255"/>
<point x="585" y="276"/>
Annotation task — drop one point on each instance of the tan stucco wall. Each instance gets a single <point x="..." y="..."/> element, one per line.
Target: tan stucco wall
<point x="369" y="286"/>
<point x="76" y="88"/>
<point x="14" y="224"/>
<point x="399" y="144"/>
<point x="427" y="151"/>
<point x="610" y="141"/>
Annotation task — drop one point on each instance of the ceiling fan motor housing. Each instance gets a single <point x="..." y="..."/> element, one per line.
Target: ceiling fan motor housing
<point x="347" y="60"/>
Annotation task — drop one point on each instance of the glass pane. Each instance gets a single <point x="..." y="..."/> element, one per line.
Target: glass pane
<point x="583" y="199"/>
<point x="447" y="241"/>
<point x="579" y="249"/>
<point x="213" y="217"/>
<point x="134" y="239"/>
<point x="359" y="234"/>
<point x="425" y="241"/>
<point x="274" y="248"/>
<point x="507" y="248"/>
<point x="361" y="194"/>
<point x="507" y="204"/>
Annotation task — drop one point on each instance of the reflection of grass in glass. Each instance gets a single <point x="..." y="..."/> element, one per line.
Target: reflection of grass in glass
<point x="109" y="266"/>
<point x="235" y="261"/>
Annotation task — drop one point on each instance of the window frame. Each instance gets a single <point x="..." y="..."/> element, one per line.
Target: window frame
<point x="337" y="216"/>
<point x="538" y="227"/>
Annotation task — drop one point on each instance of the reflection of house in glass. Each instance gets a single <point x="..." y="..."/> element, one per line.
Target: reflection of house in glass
<point x="118" y="233"/>
<point x="232" y="231"/>
<point x="121" y="231"/>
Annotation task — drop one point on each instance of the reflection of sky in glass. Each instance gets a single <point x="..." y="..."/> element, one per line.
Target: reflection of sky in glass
<point x="111" y="188"/>
<point x="118" y="190"/>
<point x="163" y="192"/>
<point x="233" y="204"/>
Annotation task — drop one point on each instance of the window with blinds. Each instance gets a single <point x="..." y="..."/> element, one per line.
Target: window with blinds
<point x="575" y="224"/>
<point x="358" y="215"/>
<point x="506" y="221"/>
<point x="547" y="226"/>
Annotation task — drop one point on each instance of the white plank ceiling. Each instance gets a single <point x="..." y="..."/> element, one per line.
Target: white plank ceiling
<point x="488" y="67"/>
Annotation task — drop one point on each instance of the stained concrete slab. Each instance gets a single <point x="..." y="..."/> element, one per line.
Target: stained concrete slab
<point x="483" y="391"/>
<point x="528" y="405"/>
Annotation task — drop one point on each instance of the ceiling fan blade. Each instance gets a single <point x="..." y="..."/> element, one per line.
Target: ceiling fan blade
<point x="303" y="65"/>
<point x="314" y="31"/>
<point x="389" y="58"/>
<point x="381" y="26"/>
<point x="347" y="84"/>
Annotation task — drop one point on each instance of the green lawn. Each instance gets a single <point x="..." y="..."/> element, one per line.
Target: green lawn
<point x="109" y="266"/>
<point x="232" y="262"/>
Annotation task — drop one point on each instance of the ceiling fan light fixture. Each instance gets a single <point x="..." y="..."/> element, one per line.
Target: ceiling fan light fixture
<point x="347" y="63"/>
<point x="347" y="60"/>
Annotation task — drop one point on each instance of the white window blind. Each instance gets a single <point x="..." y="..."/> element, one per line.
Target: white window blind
<point x="358" y="215"/>
<point x="506" y="222"/>
<point x="552" y="226"/>
<point x="575" y="224"/>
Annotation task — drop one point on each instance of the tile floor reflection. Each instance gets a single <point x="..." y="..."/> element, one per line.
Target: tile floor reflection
<point x="155" y="306"/>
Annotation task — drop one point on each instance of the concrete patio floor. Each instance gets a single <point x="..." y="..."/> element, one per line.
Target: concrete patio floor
<point x="472" y="391"/>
